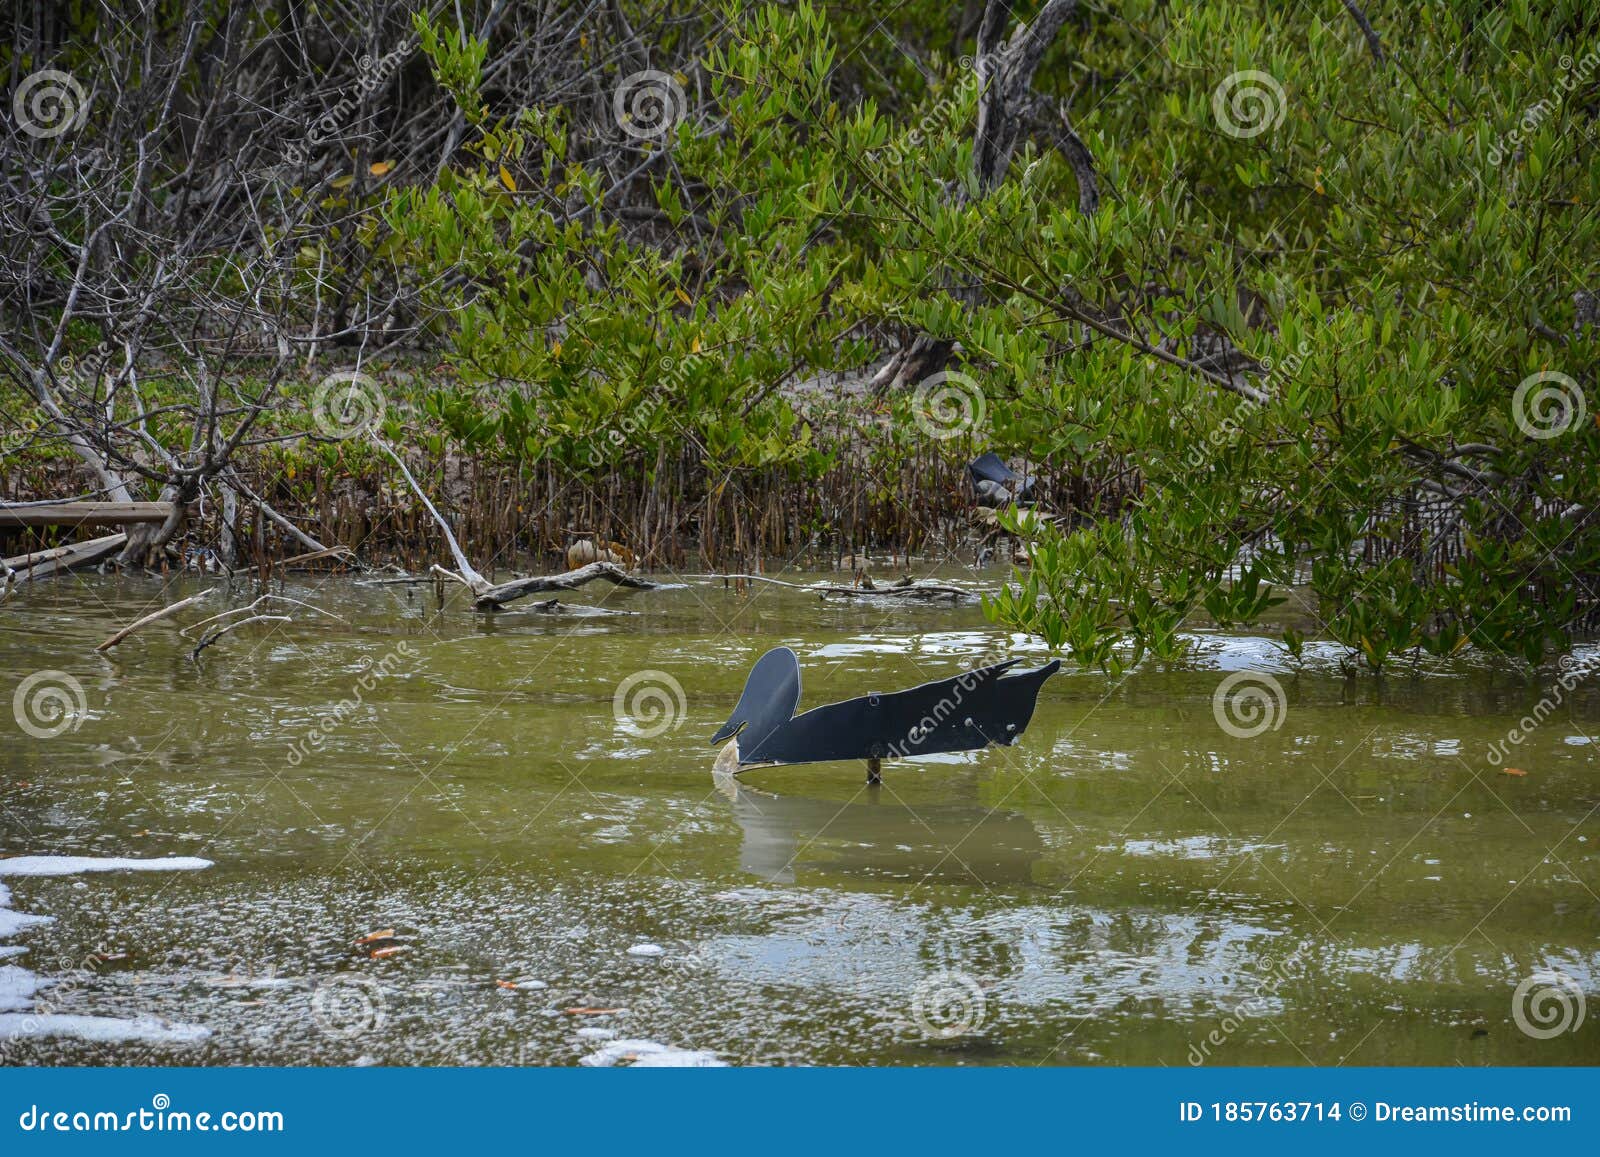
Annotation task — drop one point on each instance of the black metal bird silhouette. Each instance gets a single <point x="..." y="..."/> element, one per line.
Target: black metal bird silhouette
<point x="963" y="713"/>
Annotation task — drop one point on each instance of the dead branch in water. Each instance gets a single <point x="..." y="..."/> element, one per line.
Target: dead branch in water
<point x="247" y="610"/>
<point x="207" y="640"/>
<point x="488" y="596"/>
<point x="557" y="607"/>
<point x="464" y="573"/>
<point x="150" y="618"/>
<point x="924" y="591"/>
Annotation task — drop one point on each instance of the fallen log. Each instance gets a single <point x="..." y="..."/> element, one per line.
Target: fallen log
<point x="70" y="514"/>
<point x="63" y="558"/>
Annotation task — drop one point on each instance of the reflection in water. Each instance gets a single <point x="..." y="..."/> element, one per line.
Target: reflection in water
<point x="874" y="835"/>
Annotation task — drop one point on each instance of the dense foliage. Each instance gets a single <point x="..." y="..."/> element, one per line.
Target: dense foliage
<point x="1269" y="293"/>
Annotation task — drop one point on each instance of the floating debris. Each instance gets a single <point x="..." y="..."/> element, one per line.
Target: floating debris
<point x="647" y="950"/>
<point x="646" y="1054"/>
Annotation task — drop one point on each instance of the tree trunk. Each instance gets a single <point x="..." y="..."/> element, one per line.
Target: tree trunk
<point x="1005" y="106"/>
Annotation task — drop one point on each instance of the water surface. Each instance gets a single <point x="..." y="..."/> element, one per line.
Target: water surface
<point x="1131" y="884"/>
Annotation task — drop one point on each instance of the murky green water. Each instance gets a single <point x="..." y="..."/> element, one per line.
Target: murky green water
<point x="1129" y="885"/>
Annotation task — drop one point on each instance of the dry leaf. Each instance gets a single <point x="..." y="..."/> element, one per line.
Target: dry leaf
<point x="380" y="168"/>
<point x="380" y="953"/>
<point x="511" y="984"/>
<point x="507" y="179"/>
<point x="590" y="1011"/>
<point x="682" y="296"/>
<point x="385" y="934"/>
<point x="1512" y="771"/>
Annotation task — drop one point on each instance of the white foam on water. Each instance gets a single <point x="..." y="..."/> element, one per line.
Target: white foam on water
<point x="73" y="865"/>
<point x="648" y="1054"/>
<point x="647" y="950"/>
<point x="99" y="1029"/>
<point x="13" y="922"/>
<point x="18" y="986"/>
